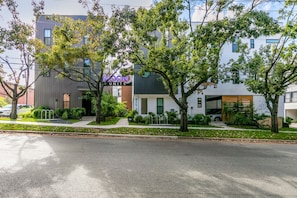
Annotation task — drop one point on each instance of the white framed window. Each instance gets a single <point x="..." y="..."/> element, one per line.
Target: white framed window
<point x="47" y="37"/>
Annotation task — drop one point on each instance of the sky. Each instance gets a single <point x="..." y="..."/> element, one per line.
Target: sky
<point x="68" y="7"/>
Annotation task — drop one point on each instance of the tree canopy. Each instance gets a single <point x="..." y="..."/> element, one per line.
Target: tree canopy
<point x="90" y="50"/>
<point x="272" y="68"/>
<point x="18" y="36"/>
<point x="186" y="54"/>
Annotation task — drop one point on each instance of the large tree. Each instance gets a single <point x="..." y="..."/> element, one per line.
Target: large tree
<point x="90" y="51"/>
<point x="18" y="36"/>
<point x="186" y="55"/>
<point x="273" y="68"/>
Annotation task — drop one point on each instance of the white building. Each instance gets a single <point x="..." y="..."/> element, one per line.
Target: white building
<point x="150" y="96"/>
<point x="291" y="102"/>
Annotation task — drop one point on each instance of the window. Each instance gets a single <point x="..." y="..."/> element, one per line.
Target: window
<point x="66" y="101"/>
<point x="288" y="97"/>
<point x="143" y="105"/>
<point x="235" y="76"/>
<point x="87" y="71"/>
<point x="294" y="97"/>
<point x="252" y="43"/>
<point x="235" y="47"/>
<point x="273" y="41"/>
<point x="47" y="37"/>
<point x="199" y="102"/>
<point x="160" y="105"/>
<point x="86" y="40"/>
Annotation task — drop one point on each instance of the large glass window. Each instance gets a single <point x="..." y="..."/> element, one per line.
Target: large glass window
<point x="160" y="105"/>
<point x="143" y="105"/>
<point x="66" y="101"/>
<point x="47" y="37"/>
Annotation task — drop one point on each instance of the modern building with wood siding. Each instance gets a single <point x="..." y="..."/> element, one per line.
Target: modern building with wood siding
<point x="151" y="97"/>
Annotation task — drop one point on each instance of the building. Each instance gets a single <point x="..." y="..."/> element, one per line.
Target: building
<point x="291" y="102"/>
<point x="63" y="93"/>
<point x="28" y="98"/>
<point x="150" y="95"/>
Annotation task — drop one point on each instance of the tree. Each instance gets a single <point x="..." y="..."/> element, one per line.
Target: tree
<point x="18" y="36"/>
<point x="91" y="51"/>
<point x="186" y="55"/>
<point x="274" y="67"/>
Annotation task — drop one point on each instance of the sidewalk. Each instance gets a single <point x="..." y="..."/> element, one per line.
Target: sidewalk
<point x="123" y="122"/>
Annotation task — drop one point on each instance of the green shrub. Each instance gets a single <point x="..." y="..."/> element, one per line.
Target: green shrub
<point x="206" y="119"/>
<point x="77" y="113"/>
<point x="27" y="114"/>
<point x="37" y="113"/>
<point x="198" y="118"/>
<point x="242" y="119"/>
<point x="59" y="112"/>
<point x="289" y="120"/>
<point x="172" y="116"/>
<point x="138" y="119"/>
<point x="121" y="110"/>
<point x="131" y="115"/>
<point x="146" y="120"/>
<point x="65" y="115"/>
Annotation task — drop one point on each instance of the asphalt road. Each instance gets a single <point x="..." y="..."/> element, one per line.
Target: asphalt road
<point x="44" y="166"/>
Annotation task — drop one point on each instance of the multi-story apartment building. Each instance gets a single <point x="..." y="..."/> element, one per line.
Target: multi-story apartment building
<point x="148" y="92"/>
<point x="150" y="95"/>
<point x="63" y="93"/>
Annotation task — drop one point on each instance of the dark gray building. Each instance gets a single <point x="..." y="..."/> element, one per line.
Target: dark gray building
<point x="50" y="90"/>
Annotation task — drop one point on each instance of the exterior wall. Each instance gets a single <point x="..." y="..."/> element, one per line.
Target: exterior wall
<point x="26" y="99"/>
<point x="49" y="90"/>
<point x="145" y="88"/>
<point x="291" y="103"/>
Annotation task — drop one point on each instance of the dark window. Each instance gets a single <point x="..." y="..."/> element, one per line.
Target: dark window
<point x="160" y="105"/>
<point x="252" y="43"/>
<point x="47" y="37"/>
<point x="199" y="102"/>
<point x="143" y="105"/>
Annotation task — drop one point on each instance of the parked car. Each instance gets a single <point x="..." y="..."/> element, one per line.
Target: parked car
<point x="6" y="110"/>
<point x="215" y="114"/>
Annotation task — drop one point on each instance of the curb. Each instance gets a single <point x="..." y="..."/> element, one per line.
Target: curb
<point x="152" y="137"/>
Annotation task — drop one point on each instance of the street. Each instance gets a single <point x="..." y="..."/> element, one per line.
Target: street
<point x="45" y="166"/>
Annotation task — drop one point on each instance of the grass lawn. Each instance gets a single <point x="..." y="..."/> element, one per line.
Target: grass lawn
<point x="194" y="133"/>
<point x="111" y="121"/>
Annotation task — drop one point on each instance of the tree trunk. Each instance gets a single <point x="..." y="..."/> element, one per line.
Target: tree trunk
<point x="98" y="108"/>
<point x="184" y="120"/>
<point x="274" y="119"/>
<point x="14" y="114"/>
